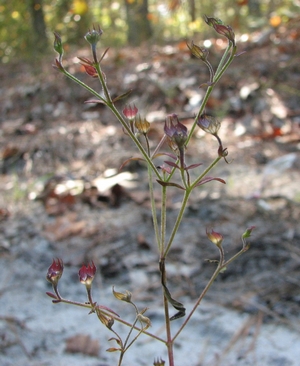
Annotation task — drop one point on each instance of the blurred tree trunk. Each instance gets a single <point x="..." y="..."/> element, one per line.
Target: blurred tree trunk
<point x="139" y="28"/>
<point x="192" y="10"/>
<point x="35" y="8"/>
<point x="254" y="8"/>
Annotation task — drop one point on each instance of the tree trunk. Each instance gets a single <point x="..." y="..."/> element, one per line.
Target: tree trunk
<point x="254" y="8"/>
<point x="38" y="25"/>
<point x="192" y="10"/>
<point x="139" y="28"/>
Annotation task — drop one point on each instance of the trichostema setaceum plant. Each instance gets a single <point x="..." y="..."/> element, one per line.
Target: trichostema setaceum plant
<point x="174" y="173"/>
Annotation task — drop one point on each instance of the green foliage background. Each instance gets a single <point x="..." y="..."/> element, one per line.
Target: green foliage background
<point x="170" y="20"/>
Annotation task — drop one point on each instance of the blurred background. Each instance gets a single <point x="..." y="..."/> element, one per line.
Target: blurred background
<point x="27" y="26"/>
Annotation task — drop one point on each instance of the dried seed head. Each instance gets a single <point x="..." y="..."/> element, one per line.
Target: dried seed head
<point x="123" y="297"/>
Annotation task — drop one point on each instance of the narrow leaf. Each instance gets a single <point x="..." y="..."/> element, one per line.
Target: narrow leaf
<point x="172" y="164"/>
<point x="122" y="96"/>
<point x="104" y="53"/>
<point x="193" y="166"/>
<point x="176" y="304"/>
<point x="169" y="184"/>
<point x="98" y="101"/>
<point x="50" y="294"/>
<point x="128" y="160"/>
<point x="209" y="179"/>
<point x="112" y="349"/>
<point x="167" y="154"/>
<point x="108" y="309"/>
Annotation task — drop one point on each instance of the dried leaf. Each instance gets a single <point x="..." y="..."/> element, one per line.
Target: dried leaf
<point x="82" y="343"/>
<point x="112" y="349"/>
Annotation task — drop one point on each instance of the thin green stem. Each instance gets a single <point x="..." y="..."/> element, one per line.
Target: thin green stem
<point x="185" y="200"/>
<point x="178" y="221"/>
<point x="219" y="73"/>
<point x="221" y="266"/>
<point x="208" y="285"/>
<point x="88" y="306"/>
<point x="114" y="110"/>
<point x="206" y="171"/>
<point x="134" y="139"/>
<point x="85" y="86"/>
<point x="169" y="342"/>
<point x="103" y="82"/>
<point x="153" y="209"/>
<point x="223" y="59"/>
<point x="163" y="219"/>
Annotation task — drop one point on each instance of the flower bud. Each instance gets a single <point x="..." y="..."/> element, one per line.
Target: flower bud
<point x="198" y="52"/>
<point x="248" y="232"/>
<point x="212" y="21"/>
<point x="141" y="124"/>
<point x="93" y="36"/>
<point x="90" y="70"/>
<point x="209" y="124"/>
<point x="159" y="362"/>
<point x="224" y="30"/>
<point x="123" y="297"/>
<point x="58" y="47"/>
<point x="130" y="112"/>
<point x="215" y="237"/>
<point x="87" y="274"/>
<point x="176" y="131"/>
<point x="55" y="271"/>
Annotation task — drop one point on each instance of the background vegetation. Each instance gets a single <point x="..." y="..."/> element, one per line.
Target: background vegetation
<point x="27" y="26"/>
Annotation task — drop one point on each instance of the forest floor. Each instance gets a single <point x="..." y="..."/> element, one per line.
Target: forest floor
<point x="63" y="196"/>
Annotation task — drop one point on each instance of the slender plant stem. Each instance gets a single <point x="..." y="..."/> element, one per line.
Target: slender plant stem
<point x="163" y="219"/>
<point x="169" y="342"/>
<point x="221" y="266"/>
<point x="225" y="54"/>
<point x="88" y="306"/>
<point x="206" y="171"/>
<point x="153" y="209"/>
<point x="208" y="285"/>
<point x="178" y="220"/>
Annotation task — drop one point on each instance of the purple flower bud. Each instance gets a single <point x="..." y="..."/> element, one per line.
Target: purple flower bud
<point x="87" y="274"/>
<point x="176" y="131"/>
<point x="55" y="271"/>
<point x="209" y="124"/>
<point x="224" y="30"/>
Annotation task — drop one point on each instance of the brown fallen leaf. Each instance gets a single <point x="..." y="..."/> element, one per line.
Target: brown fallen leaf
<point x="64" y="227"/>
<point x="82" y="343"/>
